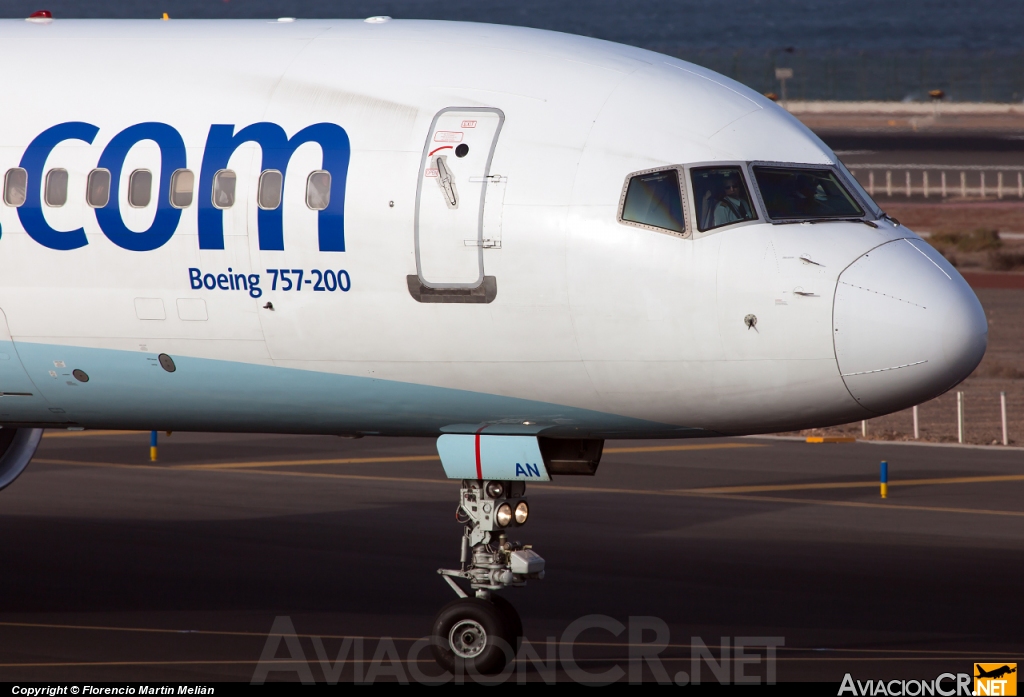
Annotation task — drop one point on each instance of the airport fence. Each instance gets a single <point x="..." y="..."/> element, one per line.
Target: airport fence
<point x="978" y="414"/>
<point x="961" y="426"/>
<point x="966" y="182"/>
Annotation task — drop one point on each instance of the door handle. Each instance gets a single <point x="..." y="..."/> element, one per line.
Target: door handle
<point x="446" y="180"/>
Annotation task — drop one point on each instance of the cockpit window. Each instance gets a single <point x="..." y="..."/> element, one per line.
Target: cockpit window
<point x="654" y="199"/>
<point x="721" y="196"/>
<point x="873" y="208"/>
<point x="804" y="194"/>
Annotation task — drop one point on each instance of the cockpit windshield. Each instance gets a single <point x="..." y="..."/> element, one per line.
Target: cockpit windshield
<point x="721" y="197"/>
<point x="791" y="193"/>
<point x="874" y="211"/>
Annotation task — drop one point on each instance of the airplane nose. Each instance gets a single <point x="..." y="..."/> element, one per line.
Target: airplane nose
<point x="906" y="326"/>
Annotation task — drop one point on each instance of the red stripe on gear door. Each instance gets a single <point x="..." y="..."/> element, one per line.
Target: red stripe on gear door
<point x="479" y="469"/>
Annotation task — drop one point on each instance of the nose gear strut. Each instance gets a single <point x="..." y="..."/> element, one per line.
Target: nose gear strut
<point x="484" y="632"/>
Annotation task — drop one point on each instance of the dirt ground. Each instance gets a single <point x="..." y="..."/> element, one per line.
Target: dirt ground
<point x="958" y="216"/>
<point x="968" y="232"/>
<point x="909" y="120"/>
<point x="1002" y="370"/>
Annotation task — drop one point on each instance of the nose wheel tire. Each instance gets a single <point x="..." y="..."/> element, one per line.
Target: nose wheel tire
<point x="475" y="633"/>
<point x="513" y="623"/>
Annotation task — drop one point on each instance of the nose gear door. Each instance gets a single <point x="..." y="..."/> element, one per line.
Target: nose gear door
<point x="451" y="197"/>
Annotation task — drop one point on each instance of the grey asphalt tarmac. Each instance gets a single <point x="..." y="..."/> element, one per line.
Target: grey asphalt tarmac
<point x="857" y="150"/>
<point x="119" y="569"/>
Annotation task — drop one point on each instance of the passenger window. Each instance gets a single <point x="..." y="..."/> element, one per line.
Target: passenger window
<point x="721" y="197"/>
<point x="804" y="194"/>
<point x="182" y="183"/>
<point x="56" y="191"/>
<point x="140" y="188"/>
<point x="224" y="189"/>
<point x="654" y="199"/>
<point x="318" y="190"/>
<point x="15" y="187"/>
<point x="97" y="188"/>
<point x="269" y="196"/>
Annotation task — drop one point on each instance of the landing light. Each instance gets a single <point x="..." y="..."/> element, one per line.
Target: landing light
<point x="495" y="490"/>
<point x="504" y="515"/>
<point x="522" y="512"/>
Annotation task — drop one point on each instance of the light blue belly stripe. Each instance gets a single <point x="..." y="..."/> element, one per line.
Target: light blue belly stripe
<point x="129" y="390"/>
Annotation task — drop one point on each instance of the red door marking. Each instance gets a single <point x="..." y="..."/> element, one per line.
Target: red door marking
<point x="479" y="469"/>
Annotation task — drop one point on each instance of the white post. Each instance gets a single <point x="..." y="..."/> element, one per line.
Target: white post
<point x="983" y="185"/>
<point x="960" y="417"/>
<point x="963" y="185"/>
<point x="1002" y="407"/>
<point x="1020" y="185"/>
<point x="864" y="428"/>
<point x="999" y="185"/>
<point x="908" y="183"/>
<point x="871" y="182"/>
<point x="943" y="185"/>
<point x="917" y="432"/>
<point x="888" y="183"/>
<point x="925" y="182"/>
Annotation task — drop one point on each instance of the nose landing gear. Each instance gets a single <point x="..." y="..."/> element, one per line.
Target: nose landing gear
<point x="484" y="632"/>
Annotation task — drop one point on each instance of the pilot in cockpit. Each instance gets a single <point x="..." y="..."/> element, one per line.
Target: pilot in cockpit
<point x="807" y="195"/>
<point x="732" y="205"/>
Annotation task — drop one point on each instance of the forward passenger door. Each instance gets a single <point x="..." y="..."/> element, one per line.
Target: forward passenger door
<point x="458" y="206"/>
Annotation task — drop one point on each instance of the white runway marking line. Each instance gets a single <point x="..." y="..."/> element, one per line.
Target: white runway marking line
<point x="430" y="661"/>
<point x="897" y="654"/>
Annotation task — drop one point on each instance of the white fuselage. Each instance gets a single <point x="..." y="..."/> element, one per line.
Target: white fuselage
<point x="591" y="326"/>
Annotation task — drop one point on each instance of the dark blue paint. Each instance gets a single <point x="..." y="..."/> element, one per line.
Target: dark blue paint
<point x="33" y="162"/>
<point x="172" y="157"/>
<point x="277" y="150"/>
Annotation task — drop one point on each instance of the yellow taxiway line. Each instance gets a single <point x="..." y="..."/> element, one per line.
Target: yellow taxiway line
<point x="363" y="460"/>
<point x="51" y="433"/>
<point x="681" y="493"/>
<point x="298" y="463"/>
<point x="676" y="448"/>
<point x="744" y="493"/>
<point x="856" y="485"/>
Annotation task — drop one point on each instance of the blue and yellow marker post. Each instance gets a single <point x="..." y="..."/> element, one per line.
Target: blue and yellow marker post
<point x="884" y="477"/>
<point x="152" y="446"/>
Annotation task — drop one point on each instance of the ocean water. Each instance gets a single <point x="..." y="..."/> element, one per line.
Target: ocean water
<point x="842" y="49"/>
